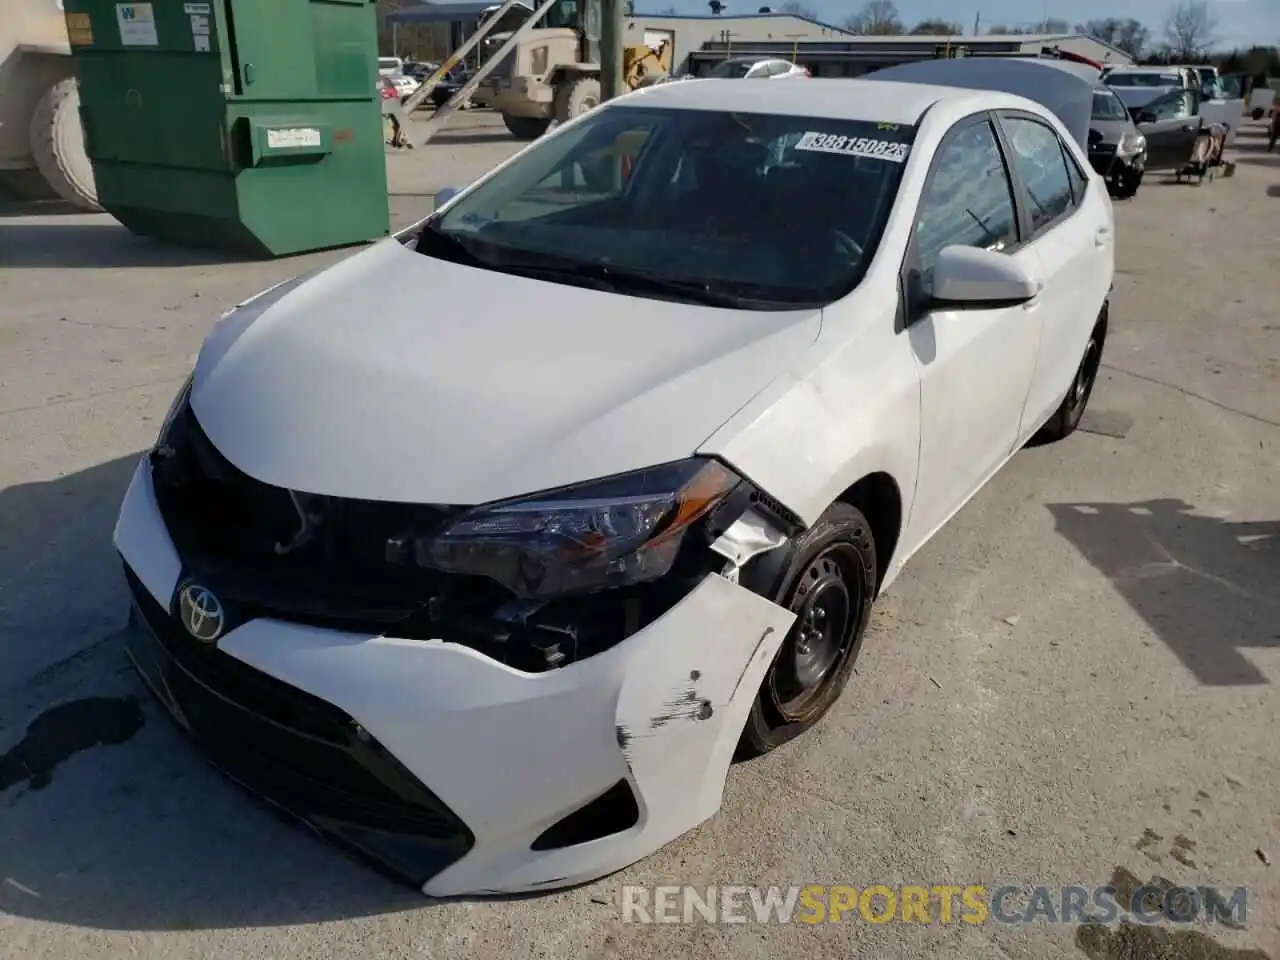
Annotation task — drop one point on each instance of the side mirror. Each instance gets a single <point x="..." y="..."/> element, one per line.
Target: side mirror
<point x="1145" y="116"/>
<point x="445" y="194"/>
<point x="970" y="277"/>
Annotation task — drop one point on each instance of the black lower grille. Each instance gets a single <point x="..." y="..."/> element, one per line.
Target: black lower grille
<point x="297" y="751"/>
<point x="241" y="536"/>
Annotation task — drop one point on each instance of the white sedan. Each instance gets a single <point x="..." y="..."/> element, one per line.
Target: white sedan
<point x="757" y="68"/>
<point x="485" y="550"/>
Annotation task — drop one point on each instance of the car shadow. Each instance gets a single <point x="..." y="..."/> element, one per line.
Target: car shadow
<point x="38" y="208"/>
<point x="112" y="820"/>
<point x="96" y="241"/>
<point x="1207" y="587"/>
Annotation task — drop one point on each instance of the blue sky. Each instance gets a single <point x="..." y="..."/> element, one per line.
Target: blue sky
<point x="1240" y="22"/>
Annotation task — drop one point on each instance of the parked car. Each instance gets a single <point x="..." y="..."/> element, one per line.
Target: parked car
<point x="494" y="603"/>
<point x="390" y="66"/>
<point x="405" y="85"/>
<point x="1170" y="123"/>
<point x="452" y="82"/>
<point x="757" y="68"/>
<point x="387" y="89"/>
<point x="1117" y="148"/>
<point x="1138" y="86"/>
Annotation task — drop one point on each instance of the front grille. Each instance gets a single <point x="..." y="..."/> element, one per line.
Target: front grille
<point x="229" y="529"/>
<point x="299" y="752"/>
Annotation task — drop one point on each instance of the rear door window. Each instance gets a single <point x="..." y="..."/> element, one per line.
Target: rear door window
<point x="1039" y="159"/>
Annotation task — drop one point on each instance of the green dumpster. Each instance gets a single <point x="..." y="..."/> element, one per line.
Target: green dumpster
<point x="247" y="125"/>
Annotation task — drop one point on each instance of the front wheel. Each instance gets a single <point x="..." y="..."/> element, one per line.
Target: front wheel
<point x="57" y="143"/>
<point x="1066" y="418"/>
<point x="828" y="579"/>
<point x="1127" y="182"/>
<point x="575" y="97"/>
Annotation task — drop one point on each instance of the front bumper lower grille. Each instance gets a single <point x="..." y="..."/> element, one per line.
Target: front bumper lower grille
<point x="299" y="753"/>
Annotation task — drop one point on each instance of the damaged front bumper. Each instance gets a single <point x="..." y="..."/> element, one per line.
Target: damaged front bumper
<point x="456" y="772"/>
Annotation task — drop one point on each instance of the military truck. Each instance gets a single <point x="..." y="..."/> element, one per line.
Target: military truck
<point x="553" y="74"/>
<point x="42" y="154"/>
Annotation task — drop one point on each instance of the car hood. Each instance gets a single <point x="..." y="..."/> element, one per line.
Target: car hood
<point x="1110" y="131"/>
<point x="1140" y="96"/>
<point x="396" y="376"/>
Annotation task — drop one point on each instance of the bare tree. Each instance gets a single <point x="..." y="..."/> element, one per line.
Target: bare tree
<point x="1124" y="33"/>
<point x="1189" y="28"/>
<point x="798" y="9"/>
<point x="878" y="18"/>
<point x="936" y="28"/>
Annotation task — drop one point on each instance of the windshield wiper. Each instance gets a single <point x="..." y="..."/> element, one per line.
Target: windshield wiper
<point x="434" y="242"/>
<point x="606" y="277"/>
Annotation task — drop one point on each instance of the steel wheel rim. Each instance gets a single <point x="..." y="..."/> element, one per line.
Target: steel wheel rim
<point x="827" y="601"/>
<point x="1085" y="375"/>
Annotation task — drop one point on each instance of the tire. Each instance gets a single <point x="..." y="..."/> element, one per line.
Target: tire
<point x="525" y="128"/>
<point x="1127" y="184"/>
<point x="831" y="567"/>
<point x="1066" y="418"/>
<point x="575" y="97"/>
<point x="57" y="143"/>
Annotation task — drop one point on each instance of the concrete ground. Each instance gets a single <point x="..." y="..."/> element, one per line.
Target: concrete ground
<point x="1075" y="683"/>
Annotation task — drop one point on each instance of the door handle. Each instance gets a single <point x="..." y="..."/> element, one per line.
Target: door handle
<point x="1102" y="236"/>
<point x="1187" y="127"/>
<point x="248" y="76"/>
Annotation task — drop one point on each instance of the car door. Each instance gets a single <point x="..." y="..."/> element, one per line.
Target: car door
<point x="1069" y="229"/>
<point x="975" y="365"/>
<point x="1170" y="124"/>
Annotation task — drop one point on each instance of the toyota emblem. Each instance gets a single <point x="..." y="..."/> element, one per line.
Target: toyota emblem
<point x="201" y="613"/>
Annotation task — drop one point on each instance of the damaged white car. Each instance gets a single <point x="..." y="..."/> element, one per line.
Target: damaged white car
<point x="485" y="550"/>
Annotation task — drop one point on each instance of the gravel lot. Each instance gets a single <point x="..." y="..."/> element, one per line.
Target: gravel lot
<point x="1089" y="655"/>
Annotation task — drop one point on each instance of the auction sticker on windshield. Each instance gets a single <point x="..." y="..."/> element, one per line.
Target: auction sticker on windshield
<point x="818" y="142"/>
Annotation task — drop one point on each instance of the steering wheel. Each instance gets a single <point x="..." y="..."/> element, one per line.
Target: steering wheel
<point x="847" y="245"/>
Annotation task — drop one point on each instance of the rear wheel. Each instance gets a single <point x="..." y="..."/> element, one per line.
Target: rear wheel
<point x="828" y="579"/>
<point x="57" y="143"/>
<point x="1067" y="417"/>
<point x="525" y="128"/>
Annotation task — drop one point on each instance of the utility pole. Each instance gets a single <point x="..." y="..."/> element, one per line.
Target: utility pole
<point x="611" y="28"/>
<point x="977" y="23"/>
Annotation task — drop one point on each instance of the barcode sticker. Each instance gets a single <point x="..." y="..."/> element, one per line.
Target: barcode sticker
<point x="816" y="142"/>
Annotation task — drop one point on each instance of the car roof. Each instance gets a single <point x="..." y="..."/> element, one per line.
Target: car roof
<point x="875" y="101"/>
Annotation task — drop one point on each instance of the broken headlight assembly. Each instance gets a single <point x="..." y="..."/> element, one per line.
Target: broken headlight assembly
<point x="615" y="532"/>
<point x="175" y="409"/>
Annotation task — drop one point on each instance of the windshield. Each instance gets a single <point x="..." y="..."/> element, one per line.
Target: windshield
<point x="748" y="210"/>
<point x="1143" y="80"/>
<point x="1107" y="106"/>
<point x="562" y="15"/>
<point x="732" y="69"/>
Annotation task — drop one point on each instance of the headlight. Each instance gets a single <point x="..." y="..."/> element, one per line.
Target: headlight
<point x="1131" y="143"/>
<point x="605" y="533"/>
<point x="175" y="408"/>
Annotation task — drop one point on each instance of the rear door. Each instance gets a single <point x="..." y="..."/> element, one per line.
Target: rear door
<point x="1068" y="225"/>
<point x="1172" y="132"/>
